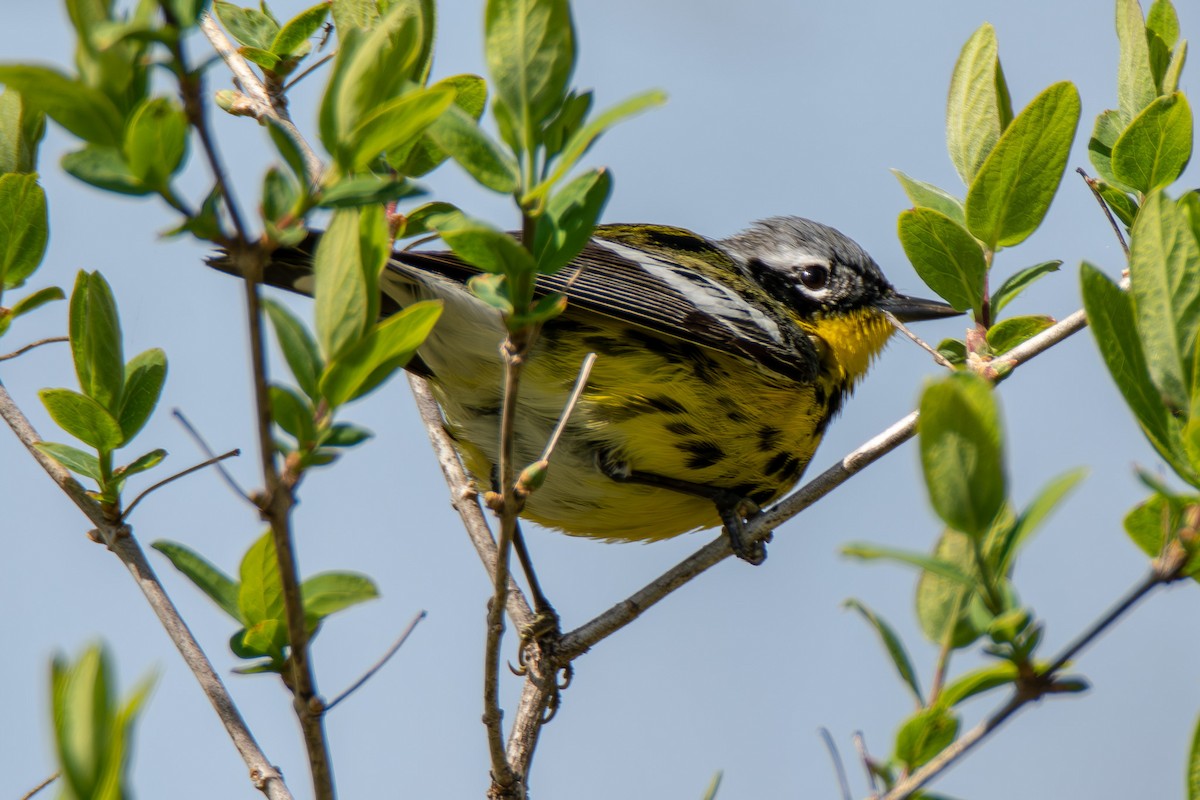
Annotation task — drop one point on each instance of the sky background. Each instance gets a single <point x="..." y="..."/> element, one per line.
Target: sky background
<point x="775" y="108"/>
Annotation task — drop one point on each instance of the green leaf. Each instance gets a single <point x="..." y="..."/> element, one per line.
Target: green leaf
<point x="86" y="112"/>
<point x="1149" y="524"/>
<point x="926" y="195"/>
<point x="570" y="217"/>
<point x="946" y="257"/>
<point x="350" y="193"/>
<point x="83" y="715"/>
<point x="1170" y="81"/>
<point x="458" y="134"/>
<point x="975" y="106"/>
<point x="586" y="136"/>
<point x="156" y="141"/>
<point x="483" y="246"/>
<point x="294" y="414"/>
<point x="83" y="418"/>
<point x="260" y="592"/>
<point x="329" y="592"/>
<point x="299" y="349"/>
<point x="24" y="228"/>
<point x="346" y="267"/>
<point x="1135" y="80"/>
<point x="530" y="47"/>
<point x="893" y="645"/>
<point x="21" y="130"/>
<point x="493" y="290"/>
<point x="944" y="604"/>
<point x="1019" y="282"/>
<point x="248" y="26"/>
<point x="1163" y="22"/>
<point x="976" y="682"/>
<point x="1193" y="765"/>
<point x="74" y="459"/>
<point x="936" y="566"/>
<point x="266" y="638"/>
<point x="36" y="300"/>
<point x="105" y="168"/>
<point x="1108" y="129"/>
<point x="961" y="452"/>
<point x="470" y="95"/>
<point x="565" y="122"/>
<point x="1012" y="191"/>
<point x="263" y="58"/>
<point x="1008" y="333"/>
<point x="385" y="349"/>
<point x="294" y="35"/>
<point x="419" y="221"/>
<point x="289" y="150"/>
<point x="396" y="125"/>
<point x="343" y="434"/>
<point x="144" y="377"/>
<point x="1111" y="317"/>
<point x="953" y="350"/>
<point x="142" y="463"/>
<point x="1120" y="203"/>
<point x="1164" y="266"/>
<point x="924" y="735"/>
<point x="1038" y="510"/>
<point x="1157" y="145"/>
<point x="95" y="333"/>
<point x="220" y="588"/>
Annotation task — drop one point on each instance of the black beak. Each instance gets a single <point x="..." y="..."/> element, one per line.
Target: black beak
<point x="915" y="309"/>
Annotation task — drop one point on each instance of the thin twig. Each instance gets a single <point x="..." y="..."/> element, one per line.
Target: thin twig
<point x="177" y="476"/>
<point x="1028" y="692"/>
<point x="838" y="766"/>
<point x="208" y="451"/>
<point x="395" y="648"/>
<point x="310" y="69"/>
<point x="120" y="541"/>
<point x="585" y="636"/>
<point x="31" y="345"/>
<point x="904" y="329"/>
<point x="585" y="371"/>
<point x="1091" y="184"/>
<point x="860" y="747"/>
<point x="40" y="786"/>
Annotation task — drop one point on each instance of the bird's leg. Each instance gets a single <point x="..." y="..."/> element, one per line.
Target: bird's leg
<point x="735" y="509"/>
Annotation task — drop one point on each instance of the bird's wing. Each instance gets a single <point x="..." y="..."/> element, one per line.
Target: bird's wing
<point x="636" y="286"/>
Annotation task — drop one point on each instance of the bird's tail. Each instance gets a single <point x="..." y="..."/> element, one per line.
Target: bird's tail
<point x="289" y="268"/>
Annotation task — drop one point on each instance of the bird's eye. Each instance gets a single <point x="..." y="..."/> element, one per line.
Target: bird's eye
<point x="815" y="277"/>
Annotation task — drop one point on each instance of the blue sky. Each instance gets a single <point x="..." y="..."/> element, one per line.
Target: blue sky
<point x="775" y="108"/>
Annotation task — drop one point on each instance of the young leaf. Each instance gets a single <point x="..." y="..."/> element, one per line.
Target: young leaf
<point x="289" y="150"/>
<point x="385" y="349"/>
<point x="1107" y="130"/>
<point x="1111" y="317"/>
<point x="83" y="418"/>
<point x="248" y="26"/>
<point x="343" y="434"/>
<point x="924" y="735"/>
<point x="1023" y="528"/>
<point x="470" y="95"/>
<point x="220" y="588"/>
<point x="95" y="333"/>
<point x="893" y="645"/>
<point x="483" y="246"/>
<point x="961" y="452"/>
<point x="396" y="125"/>
<point x="156" y="142"/>
<point x="299" y="349"/>
<point x="294" y="35"/>
<point x="293" y="413"/>
<point x="367" y="190"/>
<point x="74" y="459"/>
<point x="974" y="106"/>
<point x="1011" y="193"/>
<point x="1135" y="80"/>
<point x="1157" y="145"/>
<point x="1163" y="264"/>
<point x="86" y="112"/>
<point x="260" y="592"/>
<point x="976" y="682"/>
<point x="944" y="605"/>
<point x="1193" y="765"/>
<point x="569" y="219"/>
<point x="458" y="134"/>
<point x="1170" y="80"/>
<point x="926" y="195"/>
<point x="36" y="300"/>
<point x="1019" y="282"/>
<point x="1120" y="203"/>
<point x="105" y="168"/>
<point x="142" y="463"/>
<point x="329" y="592"/>
<point x="144" y="377"/>
<point x="1008" y="333"/>
<point x="530" y="46"/>
<point x="930" y="564"/>
<point x="346" y="272"/>
<point x="946" y="257"/>
<point x="21" y="130"/>
<point x="421" y="220"/>
<point x="24" y="228"/>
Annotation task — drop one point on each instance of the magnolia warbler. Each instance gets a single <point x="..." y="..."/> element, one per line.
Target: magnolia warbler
<point x="720" y="364"/>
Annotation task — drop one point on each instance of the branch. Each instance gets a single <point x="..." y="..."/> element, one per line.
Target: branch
<point x="395" y="648"/>
<point x="585" y="636"/>
<point x="194" y="468"/>
<point x="23" y="350"/>
<point x="120" y="541"/>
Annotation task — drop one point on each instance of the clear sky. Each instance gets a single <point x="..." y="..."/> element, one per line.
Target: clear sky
<point x="775" y="108"/>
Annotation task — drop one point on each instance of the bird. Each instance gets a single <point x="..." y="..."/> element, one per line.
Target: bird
<point x="721" y="362"/>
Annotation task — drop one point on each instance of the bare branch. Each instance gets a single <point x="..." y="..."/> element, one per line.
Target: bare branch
<point x="40" y="786"/>
<point x="208" y="451"/>
<point x="1092" y="184"/>
<point x="120" y="541"/>
<point x="177" y="476"/>
<point x="395" y="648"/>
<point x="23" y="350"/>
<point x="838" y="766"/>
